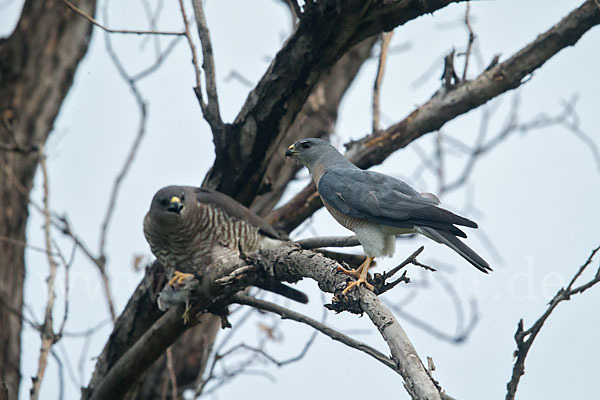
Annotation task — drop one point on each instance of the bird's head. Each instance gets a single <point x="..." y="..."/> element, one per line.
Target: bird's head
<point x="312" y="151"/>
<point x="170" y="204"/>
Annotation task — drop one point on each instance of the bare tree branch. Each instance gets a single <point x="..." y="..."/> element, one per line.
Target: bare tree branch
<point x="332" y="333"/>
<point x="141" y="131"/>
<point x="47" y="332"/>
<point x="470" y="42"/>
<point x="446" y="104"/>
<point x="109" y="30"/>
<point x="386" y="38"/>
<point x="525" y="337"/>
<point x="417" y="381"/>
<point x="321" y="37"/>
<point x="243" y="367"/>
<point x="286" y="264"/>
<point x="210" y="108"/>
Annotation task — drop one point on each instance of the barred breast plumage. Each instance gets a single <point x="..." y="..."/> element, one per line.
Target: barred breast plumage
<point x="207" y="227"/>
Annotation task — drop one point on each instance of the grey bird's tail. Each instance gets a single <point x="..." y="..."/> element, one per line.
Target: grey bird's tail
<point x="458" y="246"/>
<point x="283" y="290"/>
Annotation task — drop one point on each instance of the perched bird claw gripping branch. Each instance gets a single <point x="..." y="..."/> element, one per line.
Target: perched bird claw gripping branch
<point x="377" y="207"/>
<point x="190" y="229"/>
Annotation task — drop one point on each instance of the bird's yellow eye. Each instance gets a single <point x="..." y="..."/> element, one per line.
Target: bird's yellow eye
<point x="291" y="147"/>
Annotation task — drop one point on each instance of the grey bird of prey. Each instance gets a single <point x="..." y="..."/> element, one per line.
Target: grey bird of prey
<point x="191" y="228"/>
<point x="377" y="207"/>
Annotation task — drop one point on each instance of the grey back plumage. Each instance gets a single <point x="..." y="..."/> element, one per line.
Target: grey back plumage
<point x="356" y="197"/>
<point x="386" y="200"/>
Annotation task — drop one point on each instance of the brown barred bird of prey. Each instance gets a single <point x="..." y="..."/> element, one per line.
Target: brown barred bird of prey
<point x="377" y="207"/>
<point x="189" y="229"/>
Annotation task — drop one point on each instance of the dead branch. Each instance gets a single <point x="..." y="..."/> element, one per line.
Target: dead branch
<point x="47" y="332"/>
<point x="566" y="118"/>
<point x="242" y="367"/>
<point x="210" y="108"/>
<point x="470" y="42"/>
<point x="463" y="330"/>
<point x="141" y="131"/>
<point x="321" y="37"/>
<point x="286" y="264"/>
<point x="525" y="337"/>
<point x="109" y="30"/>
<point x="386" y="38"/>
<point x="417" y="381"/>
<point x="445" y="105"/>
<point x="332" y="333"/>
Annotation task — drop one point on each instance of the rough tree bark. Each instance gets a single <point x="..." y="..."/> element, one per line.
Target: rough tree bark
<point x="326" y="31"/>
<point x="37" y="65"/>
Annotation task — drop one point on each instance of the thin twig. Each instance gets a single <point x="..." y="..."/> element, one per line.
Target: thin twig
<point x="525" y="337"/>
<point x="332" y="333"/>
<point x="68" y="366"/>
<point x="511" y="126"/>
<point x="61" y="375"/>
<point x="47" y="333"/>
<point x="409" y="260"/>
<point x="210" y="109"/>
<point x="188" y="36"/>
<point x="67" y="265"/>
<point x="25" y="245"/>
<point x="109" y="30"/>
<point x="471" y="40"/>
<point x="386" y="38"/>
<point x="158" y="62"/>
<point x="122" y="173"/>
<point x="152" y="17"/>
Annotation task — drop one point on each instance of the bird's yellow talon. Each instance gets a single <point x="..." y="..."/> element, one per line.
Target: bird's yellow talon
<point x="352" y="272"/>
<point x="357" y="284"/>
<point x="179" y="278"/>
<point x="360" y="274"/>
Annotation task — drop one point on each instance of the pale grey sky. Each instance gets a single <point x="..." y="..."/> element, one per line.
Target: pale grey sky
<point x="535" y="195"/>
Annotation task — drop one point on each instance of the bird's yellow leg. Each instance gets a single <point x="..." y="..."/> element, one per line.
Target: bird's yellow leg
<point x="360" y="274"/>
<point x="179" y="278"/>
<point x="186" y="313"/>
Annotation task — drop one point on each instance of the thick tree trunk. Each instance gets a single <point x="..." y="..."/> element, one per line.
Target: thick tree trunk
<point x="37" y="65"/>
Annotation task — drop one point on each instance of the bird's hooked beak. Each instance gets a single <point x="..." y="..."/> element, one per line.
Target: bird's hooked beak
<point x="290" y="151"/>
<point x="175" y="205"/>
